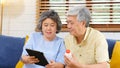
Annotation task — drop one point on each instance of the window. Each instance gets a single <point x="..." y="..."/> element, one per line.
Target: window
<point x="1" y="15"/>
<point x="105" y="13"/>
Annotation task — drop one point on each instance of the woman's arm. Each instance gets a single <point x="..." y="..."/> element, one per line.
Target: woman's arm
<point x="29" y="59"/>
<point x="54" y="64"/>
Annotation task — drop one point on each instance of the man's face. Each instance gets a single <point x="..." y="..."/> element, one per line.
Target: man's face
<point x="74" y="26"/>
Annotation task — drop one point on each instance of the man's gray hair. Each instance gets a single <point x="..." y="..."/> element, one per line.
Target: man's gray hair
<point x="83" y="14"/>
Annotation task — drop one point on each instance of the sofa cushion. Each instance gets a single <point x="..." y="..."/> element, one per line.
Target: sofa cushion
<point x="10" y="50"/>
<point x="20" y="63"/>
<point x="111" y="44"/>
<point x="115" y="60"/>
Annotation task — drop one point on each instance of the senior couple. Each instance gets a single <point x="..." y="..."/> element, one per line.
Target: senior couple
<point x="88" y="46"/>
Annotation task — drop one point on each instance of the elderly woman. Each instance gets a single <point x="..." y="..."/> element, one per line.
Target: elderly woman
<point x="47" y="42"/>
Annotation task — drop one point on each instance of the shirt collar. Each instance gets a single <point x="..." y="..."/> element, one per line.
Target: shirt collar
<point x="86" y="33"/>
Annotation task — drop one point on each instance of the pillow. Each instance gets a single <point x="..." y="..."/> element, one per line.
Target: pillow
<point x="111" y="44"/>
<point x="115" y="60"/>
<point x="20" y="63"/>
<point x="10" y="50"/>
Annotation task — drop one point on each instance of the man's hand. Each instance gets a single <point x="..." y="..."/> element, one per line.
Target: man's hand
<point x="72" y="63"/>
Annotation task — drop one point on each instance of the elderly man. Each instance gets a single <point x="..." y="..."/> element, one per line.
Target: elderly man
<point x="88" y="46"/>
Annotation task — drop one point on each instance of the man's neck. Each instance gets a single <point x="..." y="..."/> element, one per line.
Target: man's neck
<point x="79" y="38"/>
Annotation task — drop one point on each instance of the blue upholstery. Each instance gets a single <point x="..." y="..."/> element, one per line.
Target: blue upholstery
<point x="111" y="44"/>
<point x="10" y="51"/>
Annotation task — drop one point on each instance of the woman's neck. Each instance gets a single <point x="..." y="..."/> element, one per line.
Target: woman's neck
<point x="49" y="38"/>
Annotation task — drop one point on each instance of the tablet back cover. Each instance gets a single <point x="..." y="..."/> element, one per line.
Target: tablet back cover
<point x="39" y="55"/>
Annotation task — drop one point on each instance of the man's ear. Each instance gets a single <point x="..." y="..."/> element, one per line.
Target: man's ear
<point x="84" y="23"/>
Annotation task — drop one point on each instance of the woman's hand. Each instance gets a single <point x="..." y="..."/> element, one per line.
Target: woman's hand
<point x="29" y="59"/>
<point x="54" y="64"/>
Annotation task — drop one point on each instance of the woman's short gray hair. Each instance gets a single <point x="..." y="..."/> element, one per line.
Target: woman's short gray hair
<point x="52" y="15"/>
<point x="82" y="14"/>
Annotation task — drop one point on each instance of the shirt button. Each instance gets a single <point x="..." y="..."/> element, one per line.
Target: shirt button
<point x="79" y="46"/>
<point x="80" y="55"/>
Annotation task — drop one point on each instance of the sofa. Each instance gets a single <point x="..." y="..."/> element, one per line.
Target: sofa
<point x="11" y="49"/>
<point x="114" y="53"/>
<point x="111" y="44"/>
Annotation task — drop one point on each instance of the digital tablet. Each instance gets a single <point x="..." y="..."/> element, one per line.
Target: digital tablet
<point x="39" y="55"/>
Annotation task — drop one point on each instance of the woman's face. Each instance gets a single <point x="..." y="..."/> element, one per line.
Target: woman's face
<point x="49" y="28"/>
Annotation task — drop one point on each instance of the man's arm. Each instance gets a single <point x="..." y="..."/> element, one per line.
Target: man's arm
<point x="98" y="65"/>
<point x="73" y="63"/>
